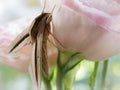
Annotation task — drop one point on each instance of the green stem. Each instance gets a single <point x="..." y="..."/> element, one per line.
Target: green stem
<point x="60" y="79"/>
<point x="92" y="79"/>
<point x="47" y="83"/>
<point x="104" y="73"/>
<point x="48" y="86"/>
<point x="64" y="78"/>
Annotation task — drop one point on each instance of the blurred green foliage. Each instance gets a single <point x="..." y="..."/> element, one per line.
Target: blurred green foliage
<point x="10" y="79"/>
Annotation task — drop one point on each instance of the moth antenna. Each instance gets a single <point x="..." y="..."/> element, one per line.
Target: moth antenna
<point x="53" y="9"/>
<point x="44" y="6"/>
<point x="60" y="44"/>
<point x="50" y="15"/>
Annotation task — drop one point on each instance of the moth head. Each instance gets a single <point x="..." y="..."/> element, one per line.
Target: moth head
<point x="49" y="19"/>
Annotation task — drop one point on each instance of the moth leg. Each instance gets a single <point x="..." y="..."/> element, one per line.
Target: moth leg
<point x="60" y="44"/>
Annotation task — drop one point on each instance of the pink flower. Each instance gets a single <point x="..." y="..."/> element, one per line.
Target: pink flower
<point x="91" y="27"/>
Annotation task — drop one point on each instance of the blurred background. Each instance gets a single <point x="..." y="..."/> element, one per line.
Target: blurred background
<point x="10" y="79"/>
<point x="15" y="9"/>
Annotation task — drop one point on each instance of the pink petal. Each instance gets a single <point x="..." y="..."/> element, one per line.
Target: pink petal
<point x="91" y="30"/>
<point x="105" y="13"/>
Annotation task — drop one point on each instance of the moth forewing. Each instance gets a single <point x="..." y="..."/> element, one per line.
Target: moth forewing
<point x="38" y="58"/>
<point x="32" y="74"/>
<point x="20" y="41"/>
<point x="45" y="54"/>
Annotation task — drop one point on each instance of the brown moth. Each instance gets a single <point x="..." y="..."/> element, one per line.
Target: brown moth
<point x="37" y="35"/>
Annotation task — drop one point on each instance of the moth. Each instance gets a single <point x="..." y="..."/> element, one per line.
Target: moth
<point x="37" y="35"/>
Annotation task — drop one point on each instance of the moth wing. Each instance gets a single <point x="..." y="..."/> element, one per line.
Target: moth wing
<point x="36" y="64"/>
<point x="21" y="40"/>
<point x="32" y="74"/>
<point x="44" y="54"/>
